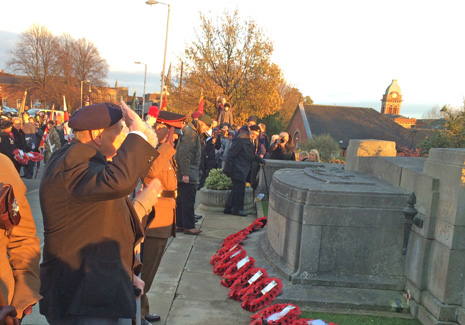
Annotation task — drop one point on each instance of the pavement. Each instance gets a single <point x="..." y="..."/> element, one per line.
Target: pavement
<point x="185" y="289"/>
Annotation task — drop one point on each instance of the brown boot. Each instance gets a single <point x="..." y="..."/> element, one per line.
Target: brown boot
<point x="192" y="231"/>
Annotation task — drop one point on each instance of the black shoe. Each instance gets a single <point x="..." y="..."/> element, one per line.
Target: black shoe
<point x="152" y="317"/>
<point x="197" y="217"/>
<point x="143" y="321"/>
<point x="239" y="213"/>
<point x="227" y="211"/>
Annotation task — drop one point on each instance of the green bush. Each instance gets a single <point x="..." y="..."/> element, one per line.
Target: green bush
<point x="216" y="180"/>
<point x="327" y="147"/>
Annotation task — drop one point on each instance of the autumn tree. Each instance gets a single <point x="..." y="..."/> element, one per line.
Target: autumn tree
<point x="35" y="56"/>
<point x="230" y="58"/>
<point x="291" y="98"/>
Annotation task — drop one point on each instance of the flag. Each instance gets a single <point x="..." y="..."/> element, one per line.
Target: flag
<point x="201" y="103"/>
<point x="133" y="103"/>
<point x="163" y="104"/>
<point x="89" y="99"/>
<point x="66" y="131"/>
<point x="23" y="104"/>
<point x="44" y="137"/>
<point x="65" y="109"/>
<point x="168" y="76"/>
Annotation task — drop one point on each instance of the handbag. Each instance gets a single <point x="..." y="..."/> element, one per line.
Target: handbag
<point x="9" y="209"/>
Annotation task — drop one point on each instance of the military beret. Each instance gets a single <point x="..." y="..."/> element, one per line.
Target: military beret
<point x="95" y="117"/>
<point x="205" y="119"/>
<point x="196" y="114"/>
<point x="6" y="124"/>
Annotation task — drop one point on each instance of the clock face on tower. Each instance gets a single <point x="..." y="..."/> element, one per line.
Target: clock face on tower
<point x="394" y="95"/>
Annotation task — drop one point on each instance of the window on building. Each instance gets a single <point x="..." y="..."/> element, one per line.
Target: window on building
<point x="109" y="97"/>
<point x="18" y="103"/>
<point x="116" y="97"/>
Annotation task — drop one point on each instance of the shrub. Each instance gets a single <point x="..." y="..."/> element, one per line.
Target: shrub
<point x="327" y="147"/>
<point x="216" y="180"/>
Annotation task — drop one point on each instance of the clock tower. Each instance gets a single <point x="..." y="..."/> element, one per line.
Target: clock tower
<point x="390" y="103"/>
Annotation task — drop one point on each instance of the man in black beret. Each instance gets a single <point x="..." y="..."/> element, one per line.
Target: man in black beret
<point x="89" y="268"/>
<point x="239" y="160"/>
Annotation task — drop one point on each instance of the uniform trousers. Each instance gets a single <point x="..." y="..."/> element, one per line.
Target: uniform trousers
<point x="185" y="205"/>
<point x="235" y="200"/>
<point x="152" y="252"/>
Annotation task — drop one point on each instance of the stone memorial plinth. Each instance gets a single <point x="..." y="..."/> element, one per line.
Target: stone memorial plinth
<point x="215" y="200"/>
<point x="330" y="227"/>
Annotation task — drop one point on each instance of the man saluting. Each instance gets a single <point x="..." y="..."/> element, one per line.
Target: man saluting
<point x="90" y="226"/>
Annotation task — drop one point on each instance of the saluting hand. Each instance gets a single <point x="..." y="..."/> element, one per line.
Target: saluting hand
<point x="133" y="121"/>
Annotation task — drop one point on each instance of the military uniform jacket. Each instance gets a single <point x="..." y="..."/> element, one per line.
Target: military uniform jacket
<point x="91" y="229"/>
<point x="163" y="226"/>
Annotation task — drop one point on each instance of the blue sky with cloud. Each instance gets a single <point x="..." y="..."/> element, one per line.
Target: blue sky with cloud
<point x="338" y="52"/>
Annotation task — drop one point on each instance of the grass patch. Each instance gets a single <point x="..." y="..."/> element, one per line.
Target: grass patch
<point x="345" y="319"/>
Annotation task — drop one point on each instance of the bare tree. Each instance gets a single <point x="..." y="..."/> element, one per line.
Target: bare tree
<point x="35" y="56"/>
<point x="88" y="64"/>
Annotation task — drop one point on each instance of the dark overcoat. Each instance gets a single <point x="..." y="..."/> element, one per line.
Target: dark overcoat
<point x="239" y="158"/>
<point x="91" y="229"/>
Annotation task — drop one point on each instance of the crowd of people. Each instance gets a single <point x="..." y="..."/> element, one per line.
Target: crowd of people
<point x="111" y="198"/>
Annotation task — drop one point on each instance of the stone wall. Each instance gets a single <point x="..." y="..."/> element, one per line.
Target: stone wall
<point x="435" y="260"/>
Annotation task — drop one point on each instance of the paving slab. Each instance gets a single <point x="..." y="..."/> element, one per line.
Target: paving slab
<point x="204" y="312"/>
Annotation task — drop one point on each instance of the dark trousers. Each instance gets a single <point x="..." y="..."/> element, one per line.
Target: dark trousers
<point x="235" y="200"/>
<point x="185" y="205"/>
<point x="152" y="252"/>
<point x="28" y="170"/>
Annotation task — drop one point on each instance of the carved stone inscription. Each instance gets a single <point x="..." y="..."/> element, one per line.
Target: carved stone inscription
<point x="336" y="175"/>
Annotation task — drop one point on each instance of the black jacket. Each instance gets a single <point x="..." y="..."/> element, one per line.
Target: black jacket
<point x="7" y="146"/>
<point x="239" y="158"/>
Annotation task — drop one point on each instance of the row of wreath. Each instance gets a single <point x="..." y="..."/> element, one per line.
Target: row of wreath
<point x="252" y="286"/>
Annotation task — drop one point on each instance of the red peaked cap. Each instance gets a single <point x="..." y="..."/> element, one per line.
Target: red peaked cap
<point x="171" y="119"/>
<point x="154" y="111"/>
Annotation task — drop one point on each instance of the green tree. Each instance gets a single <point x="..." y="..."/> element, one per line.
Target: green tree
<point x="327" y="147"/>
<point x="453" y="136"/>
<point x="229" y="58"/>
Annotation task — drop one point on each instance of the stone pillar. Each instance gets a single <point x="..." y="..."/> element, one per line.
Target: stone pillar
<point x="368" y="148"/>
<point x="446" y="273"/>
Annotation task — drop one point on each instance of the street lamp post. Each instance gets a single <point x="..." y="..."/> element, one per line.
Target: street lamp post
<point x="82" y="81"/>
<point x="153" y="2"/>
<point x="143" y="97"/>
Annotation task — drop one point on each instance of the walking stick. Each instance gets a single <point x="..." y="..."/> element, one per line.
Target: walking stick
<point x="37" y="170"/>
<point x="266" y="183"/>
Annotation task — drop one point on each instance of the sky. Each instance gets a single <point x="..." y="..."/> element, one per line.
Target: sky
<point x="337" y="52"/>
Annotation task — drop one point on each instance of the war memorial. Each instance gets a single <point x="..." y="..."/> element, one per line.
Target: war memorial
<point x="381" y="233"/>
